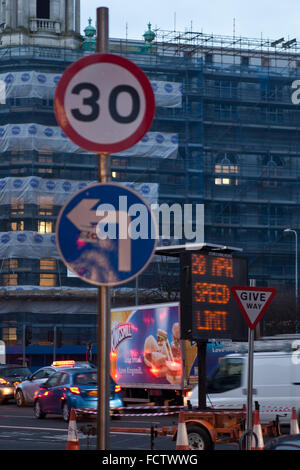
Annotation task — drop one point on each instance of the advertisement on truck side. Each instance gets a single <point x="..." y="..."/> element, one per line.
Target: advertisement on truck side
<point x="146" y="350"/>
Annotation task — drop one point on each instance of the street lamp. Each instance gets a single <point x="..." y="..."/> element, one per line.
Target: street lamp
<point x="296" y="272"/>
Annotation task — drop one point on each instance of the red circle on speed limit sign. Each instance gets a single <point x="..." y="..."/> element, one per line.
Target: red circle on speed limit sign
<point x="104" y="103"/>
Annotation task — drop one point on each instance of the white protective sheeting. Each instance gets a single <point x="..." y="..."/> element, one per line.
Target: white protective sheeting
<point x="26" y="244"/>
<point x="51" y="139"/>
<point x="32" y="84"/>
<point x="42" y="191"/>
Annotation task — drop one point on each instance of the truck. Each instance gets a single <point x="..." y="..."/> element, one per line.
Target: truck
<point x="149" y="360"/>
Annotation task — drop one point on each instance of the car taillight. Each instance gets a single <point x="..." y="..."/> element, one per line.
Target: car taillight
<point x="3" y="381"/>
<point x="75" y="390"/>
<point x="117" y="388"/>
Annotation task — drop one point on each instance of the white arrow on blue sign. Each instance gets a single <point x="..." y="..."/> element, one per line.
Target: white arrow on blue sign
<point x="106" y="234"/>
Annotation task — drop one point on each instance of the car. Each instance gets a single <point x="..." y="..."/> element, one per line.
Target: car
<point x="287" y="442"/>
<point x="72" y="388"/>
<point x="10" y="376"/>
<point x="24" y="391"/>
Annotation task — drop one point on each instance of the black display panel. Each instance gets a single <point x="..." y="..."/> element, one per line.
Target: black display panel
<point x="207" y="308"/>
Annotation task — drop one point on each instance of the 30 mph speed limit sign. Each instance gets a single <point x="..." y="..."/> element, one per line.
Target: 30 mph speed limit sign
<point x="104" y="103"/>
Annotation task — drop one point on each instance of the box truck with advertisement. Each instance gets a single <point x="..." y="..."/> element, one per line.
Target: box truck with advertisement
<point x="148" y="359"/>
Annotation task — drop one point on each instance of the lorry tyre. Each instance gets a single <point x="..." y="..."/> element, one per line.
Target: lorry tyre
<point x="199" y="438"/>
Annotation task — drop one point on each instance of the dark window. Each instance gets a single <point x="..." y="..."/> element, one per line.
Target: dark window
<point x="43" y="9"/>
<point x="227" y="376"/>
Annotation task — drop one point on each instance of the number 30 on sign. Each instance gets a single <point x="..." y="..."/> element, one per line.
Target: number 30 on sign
<point x="104" y="103"/>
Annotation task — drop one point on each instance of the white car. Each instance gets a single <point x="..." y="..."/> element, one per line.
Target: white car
<point x="24" y="392"/>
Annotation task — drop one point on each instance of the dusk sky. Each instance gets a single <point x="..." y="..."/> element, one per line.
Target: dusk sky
<point x="253" y="19"/>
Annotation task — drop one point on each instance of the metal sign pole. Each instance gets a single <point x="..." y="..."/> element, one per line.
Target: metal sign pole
<point x="104" y="327"/>
<point x="250" y="380"/>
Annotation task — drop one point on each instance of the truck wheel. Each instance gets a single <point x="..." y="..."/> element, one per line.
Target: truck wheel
<point x="199" y="439"/>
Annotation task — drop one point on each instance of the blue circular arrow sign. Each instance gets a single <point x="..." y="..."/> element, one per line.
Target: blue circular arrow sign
<point x="106" y="234"/>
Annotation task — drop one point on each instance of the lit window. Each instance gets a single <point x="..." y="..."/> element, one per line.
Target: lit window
<point x="47" y="280"/>
<point x="10" y="264"/>
<point x="9" y="334"/>
<point x="48" y="264"/>
<point x="45" y="210"/>
<point x="17" y="206"/>
<point x="17" y="226"/>
<point x="10" y="279"/>
<point x="226" y="167"/>
<point x="222" y="180"/>
<point x="45" y="226"/>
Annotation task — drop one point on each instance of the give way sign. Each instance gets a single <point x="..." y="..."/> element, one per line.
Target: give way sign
<point x="104" y="103"/>
<point x="253" y="302"/>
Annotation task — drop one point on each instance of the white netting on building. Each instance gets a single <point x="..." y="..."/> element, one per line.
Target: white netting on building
<point x="32" y="84"/>
<point x="51" y="139"/>
<point x="55" y="192"/>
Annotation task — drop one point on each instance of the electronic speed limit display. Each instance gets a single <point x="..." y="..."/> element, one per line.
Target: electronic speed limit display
<point x="208" y="309"/>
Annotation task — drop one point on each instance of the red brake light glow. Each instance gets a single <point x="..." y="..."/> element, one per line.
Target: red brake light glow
<point x="3" y="381"/>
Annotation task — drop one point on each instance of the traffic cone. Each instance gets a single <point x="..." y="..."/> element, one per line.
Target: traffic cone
<point x="294" y="426"/>
<point x="72" y="442"/>
<point x="182" y="442"/>
<point x="258" y="431"/>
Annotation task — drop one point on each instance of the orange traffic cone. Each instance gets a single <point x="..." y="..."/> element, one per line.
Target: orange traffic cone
<point x="182" y="442"/>
<point x="294" y="426"/>
<point x="72" y="442"/>
<point x="258" y="431"/>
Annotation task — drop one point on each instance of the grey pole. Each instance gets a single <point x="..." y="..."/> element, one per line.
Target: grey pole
<point x="250" y="380"/>
<point x="296" y="274"/>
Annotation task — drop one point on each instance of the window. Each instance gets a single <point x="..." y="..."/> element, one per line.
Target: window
<point x="45" y="209"/>
<point x="272" y="169"/>
<point x="226" y="168"/>
<point x="43" y="374"/>
<point x="48" y="264"/>
<point x="17" y="206"/>
<point x="17" y="226"/>
<point x="53" y="381"/>
<point x="64" y="380"/>
<point x="209" y="58"/>
<point x="9" y="334"/>
<point x="45" y="226"/>
<point x="43" y="9"/>
<point x="10" y="279"/>
<point x="245" y="60"/>
<point x="227" y="376"/>
<point x="47" y="280"/>
<point x="10" y="264"/>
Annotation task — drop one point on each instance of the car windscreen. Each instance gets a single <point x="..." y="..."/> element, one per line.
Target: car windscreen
<point x="15" y="372"/>
<point x="85" y="378"/>
<point x="227" y="376"/>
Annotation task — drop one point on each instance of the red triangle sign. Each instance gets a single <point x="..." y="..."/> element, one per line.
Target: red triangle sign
<point x="253" y="302"/>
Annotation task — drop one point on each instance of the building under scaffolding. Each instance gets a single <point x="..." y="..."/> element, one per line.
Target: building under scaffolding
<point x="225" y="135"/>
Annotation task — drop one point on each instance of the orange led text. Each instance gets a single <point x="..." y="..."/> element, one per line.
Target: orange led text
<point x="211" y="320"/>
<point x="211" y="293"/>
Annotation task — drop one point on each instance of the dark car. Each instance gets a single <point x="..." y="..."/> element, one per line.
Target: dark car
<point x="72" y="388"/>
<point x="10" y="376"/>
<point x="290" y="442"/>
